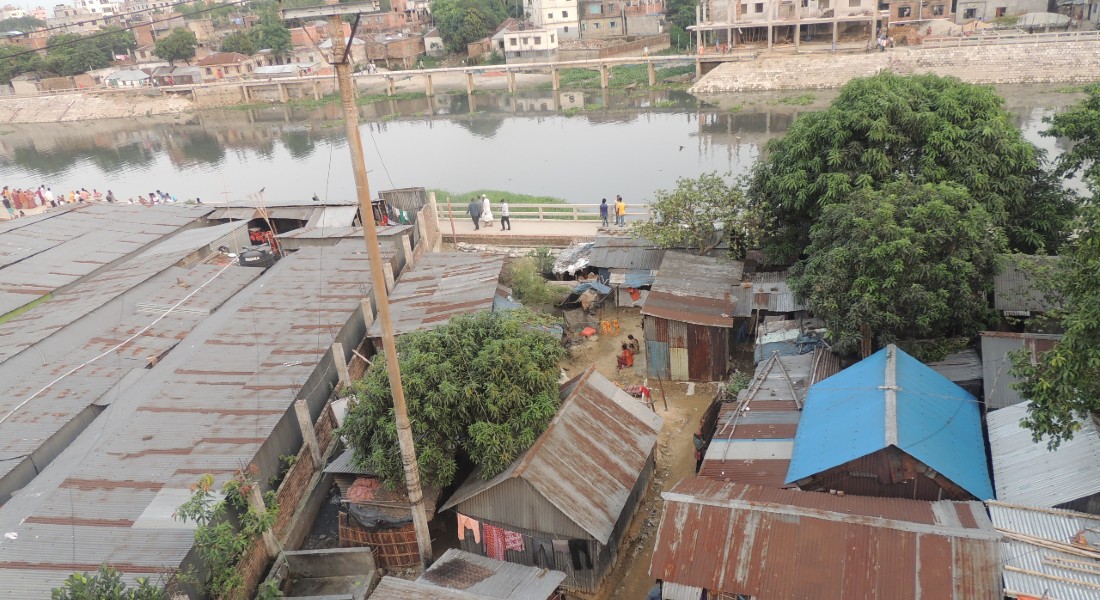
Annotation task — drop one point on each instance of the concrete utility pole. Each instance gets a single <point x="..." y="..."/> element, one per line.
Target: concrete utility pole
<point x="335" y="12"/>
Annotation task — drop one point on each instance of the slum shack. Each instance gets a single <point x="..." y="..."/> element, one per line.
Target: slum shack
<point x="374" y="516"/>
<point x="688" y="318"/>
<point x="566" y="503"/>
<point x="628" y="265"/>
<point x="890" y="426"/>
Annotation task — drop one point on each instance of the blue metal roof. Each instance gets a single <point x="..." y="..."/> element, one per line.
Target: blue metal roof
<point x="937" y="422"/>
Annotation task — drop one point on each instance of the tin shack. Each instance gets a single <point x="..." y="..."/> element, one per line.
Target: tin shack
<point x="688" y="317"/>
<point x="566" y="503"/>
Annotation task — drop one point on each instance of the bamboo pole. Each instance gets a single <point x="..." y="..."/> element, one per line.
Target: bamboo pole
<point x="389" y="346"/>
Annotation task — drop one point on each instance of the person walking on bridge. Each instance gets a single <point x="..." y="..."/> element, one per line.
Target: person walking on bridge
<point x="474" y="210"/>
<point x="505" y="220"/>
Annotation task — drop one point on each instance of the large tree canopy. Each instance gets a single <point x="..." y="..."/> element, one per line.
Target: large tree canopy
<point x="485" y="385"/>
<point x="700" y="214"/>
<point x="463" y="21"/>
<point x="908" y="261"/>
<point x="73" y="54"/>
<point x="271" y="34"/>
<point x="926" y="128"/>
<point x="178" y="45"/>
<point x="239" y="42"/>
<point x="1063" y="384"/>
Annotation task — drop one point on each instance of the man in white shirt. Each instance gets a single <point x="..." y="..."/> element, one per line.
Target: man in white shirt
<point x="505" y="222"/>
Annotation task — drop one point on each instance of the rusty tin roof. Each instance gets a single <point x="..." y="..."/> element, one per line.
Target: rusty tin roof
<point x="587" y="461"/>
<point x="442" y="286"/>
<point x="695" y="289"/>
<point x="786" y="544"/>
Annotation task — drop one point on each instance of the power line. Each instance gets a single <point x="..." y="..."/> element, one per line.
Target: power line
<point x="130" y="28"/>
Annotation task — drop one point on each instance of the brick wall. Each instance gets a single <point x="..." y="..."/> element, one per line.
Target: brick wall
<point x="1063" y="62"/>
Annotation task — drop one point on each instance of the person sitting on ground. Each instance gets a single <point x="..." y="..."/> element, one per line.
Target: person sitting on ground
<point x="624" y="360"/>
<point x="633" y="343"/>
<point x="96" y="195"/>
<point x="110" y="196"/>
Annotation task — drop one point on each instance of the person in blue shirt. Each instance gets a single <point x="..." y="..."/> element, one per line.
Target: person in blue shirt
<point x="604" y="212"/>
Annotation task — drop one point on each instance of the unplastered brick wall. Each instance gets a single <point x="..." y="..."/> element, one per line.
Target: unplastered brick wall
<point x="1060" y="62"/>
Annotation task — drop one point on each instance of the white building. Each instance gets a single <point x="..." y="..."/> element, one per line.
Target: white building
<point x="528" y="45"/>
<point x="562" y="15"/>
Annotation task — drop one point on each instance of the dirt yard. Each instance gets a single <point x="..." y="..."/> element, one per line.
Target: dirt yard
<point x="630" y="579"/>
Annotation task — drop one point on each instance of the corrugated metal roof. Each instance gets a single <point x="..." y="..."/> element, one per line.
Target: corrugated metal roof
<point x="1048" y="553"/>
<point x="618" y="252"/>
<point x="344" y="465"/>
<point x="996" y="364"/>
<point x="1014" y="286"/>
<point x="960" y="367"/>
<point x="206" y="408"/>
<point x="589" y="458"/>
<point x="694" y="289"/>
<point x="46" y="254"/>
<point x="1026" y="472"/>
<point x="771" y="293"/>
<point x="786" y="544"/>
<point x="754" y="437"/>
<point x="490" y="578"/>
<point x="392" y="588"/>
<point x="892" y="399"/>
<point x="442" y="286"/>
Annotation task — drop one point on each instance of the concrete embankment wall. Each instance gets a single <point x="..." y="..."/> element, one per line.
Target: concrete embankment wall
<point x="1060" y="62"/>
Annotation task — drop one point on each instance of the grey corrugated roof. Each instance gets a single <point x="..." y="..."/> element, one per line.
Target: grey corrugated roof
<point x="1056" y="569"/>
<point x="597" y="425"/>
<point x="206" y="408"/>
<point x="1014" y="287"/>
<point x="455" y="569"/>
<point x="616" y="252"/>
<point x="343" y="465"/>
<point x="1026" y="472"/>
<point x="442" y="286"/>
<point x="392" y="588"/>
<point x="996" y="364"/>
<point x="694" y="289"/>
<point x="48" y="253"/>
<point x="771" y="292"/>
<point x="960" y="367"/>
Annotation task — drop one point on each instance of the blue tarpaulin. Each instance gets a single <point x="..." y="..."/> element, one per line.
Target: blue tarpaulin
<point x="637" y="279"/>
<point x="599" y="287"/>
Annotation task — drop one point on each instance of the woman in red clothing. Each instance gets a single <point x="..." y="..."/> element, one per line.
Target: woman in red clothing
<point x="626" y="359"/>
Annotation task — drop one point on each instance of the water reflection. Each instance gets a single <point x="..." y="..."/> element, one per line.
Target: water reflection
<point x="577" y="145"/>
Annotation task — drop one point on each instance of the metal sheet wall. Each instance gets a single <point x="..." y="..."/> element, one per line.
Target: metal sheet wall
<point x="699" y="353"/>
<point x="655" y="329"/>
<point x="656" y="358"/>
<point x="677" y="334"/>
<point x="678" y="364"/>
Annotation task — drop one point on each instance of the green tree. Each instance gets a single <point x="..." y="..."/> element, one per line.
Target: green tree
<point x="485" y="385"/>
<point x="699" y="215"/>
<point x="177" y="45"/>
<point x="271" y="34"/>
<point x="908" y="261"/>
<point x="106" y="584"/>
<point x="15" y="61"/>
<point x="463" y="21"/>
<point x="927" y="128"/>
<point x="72" y="54"/>
<point x="24" y="24"/>
<point x="681" y="15"/>
<point x="240" y="42"/>
<point x="1063" y="384"/>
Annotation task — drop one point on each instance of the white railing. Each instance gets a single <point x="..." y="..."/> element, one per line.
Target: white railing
<point x="1010" y="38"/>
<point x="540" y="212"/>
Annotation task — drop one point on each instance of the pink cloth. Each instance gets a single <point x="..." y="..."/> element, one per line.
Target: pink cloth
<point x="513" y="540"/>
<point x="470" y="523"/>
<point x="494" y="541"/>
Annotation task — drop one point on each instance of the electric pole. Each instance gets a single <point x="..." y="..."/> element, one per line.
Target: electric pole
<point x="340" y="51"/>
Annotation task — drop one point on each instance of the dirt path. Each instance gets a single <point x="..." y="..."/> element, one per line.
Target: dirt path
<point x="630" y="579"/>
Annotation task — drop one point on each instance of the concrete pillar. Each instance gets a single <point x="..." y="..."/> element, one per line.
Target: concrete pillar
<point x="316" y="90"/>
<point x="368" y="311"/>
<point x="555" y="80"/>
<point x="469" y="82"/>
<point x="698" y="67"/>
<point x="305" y="423"/>
<point x="874" y="29"/>
<point x="604" y="77"/>
<point x="652" y="74"/>
<point x="428" y="89"/>
<point x="406" y="245"/>
<point x="470" y="103"/>
<point x="246" y="94"/>
<point x="835" y="36"/>
<point x="798" y="23"/>
<point x="256" y="503"/>
<point x="341" y="366"/>
<point x="387" y="272"/>
<point x="284" y="93"/>
<point x="770" y="36"/>
<point x="389" y="86"/>
<point x="511" y="82"/>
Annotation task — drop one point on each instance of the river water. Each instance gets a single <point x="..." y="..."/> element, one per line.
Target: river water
<point x="580" y="146"/>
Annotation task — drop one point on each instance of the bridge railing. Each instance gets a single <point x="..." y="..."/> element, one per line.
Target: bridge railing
<point x="543" y="212"/>
<point x="1010" y="38"/>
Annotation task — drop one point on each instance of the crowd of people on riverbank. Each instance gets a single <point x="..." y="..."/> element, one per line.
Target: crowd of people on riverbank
<point x="18" y="202"/>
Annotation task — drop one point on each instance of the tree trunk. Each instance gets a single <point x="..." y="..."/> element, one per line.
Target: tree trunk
<point x="865" y="346"/>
